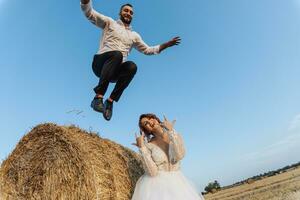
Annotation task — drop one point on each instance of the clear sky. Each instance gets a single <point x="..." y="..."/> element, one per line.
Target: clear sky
<point x="232" y="84"/>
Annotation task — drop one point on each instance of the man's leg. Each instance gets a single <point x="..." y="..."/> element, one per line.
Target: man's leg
<point x="127" y="71"/>
<point x="104" y="66"/>
<point x="124" y="75"/>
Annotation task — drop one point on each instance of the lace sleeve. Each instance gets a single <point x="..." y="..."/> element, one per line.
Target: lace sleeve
<point x="149" y="165"/>
<point x="176" y="147"/>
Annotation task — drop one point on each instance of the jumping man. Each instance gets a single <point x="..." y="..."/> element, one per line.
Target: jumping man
<point x="110" y="62"/>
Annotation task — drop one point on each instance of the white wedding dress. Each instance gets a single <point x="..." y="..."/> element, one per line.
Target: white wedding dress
<point x="163" y="179"/>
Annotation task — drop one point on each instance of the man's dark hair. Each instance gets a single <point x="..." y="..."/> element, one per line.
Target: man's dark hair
<point x="127" y="4"/>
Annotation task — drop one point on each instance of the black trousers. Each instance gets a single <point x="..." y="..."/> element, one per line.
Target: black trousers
<point x="110" y="69"/>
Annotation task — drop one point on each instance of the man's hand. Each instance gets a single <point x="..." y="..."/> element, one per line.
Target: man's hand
<point x="85" y="1"/>
<point x="139" y="140"/>
<point x="172" y="42"/>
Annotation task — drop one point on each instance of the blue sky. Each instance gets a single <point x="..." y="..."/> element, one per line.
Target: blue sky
<point x="231" y="85"/>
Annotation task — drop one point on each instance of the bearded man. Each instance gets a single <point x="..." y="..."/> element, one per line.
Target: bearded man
<point x="110" y="63"/>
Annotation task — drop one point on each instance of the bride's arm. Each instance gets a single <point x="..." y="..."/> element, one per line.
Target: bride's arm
<point x="176" y="146"/>
<point x="149" y="165"/>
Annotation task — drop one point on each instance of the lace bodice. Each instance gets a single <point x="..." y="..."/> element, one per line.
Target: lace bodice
<point x="155" y="159"/>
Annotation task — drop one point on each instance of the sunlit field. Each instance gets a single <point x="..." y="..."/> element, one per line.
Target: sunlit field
<point x="284" y="186"/>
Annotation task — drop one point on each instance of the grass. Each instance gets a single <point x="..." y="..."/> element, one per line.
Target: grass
<point x="285" y="186"/>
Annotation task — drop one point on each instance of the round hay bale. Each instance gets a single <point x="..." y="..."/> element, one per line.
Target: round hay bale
<point x="58" y="162"/>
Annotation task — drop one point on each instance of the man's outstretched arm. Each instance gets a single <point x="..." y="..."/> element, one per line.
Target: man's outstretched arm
<point x="141" y="46"/>
<point x="174" y="41"/>
<point x="92" y="15"/>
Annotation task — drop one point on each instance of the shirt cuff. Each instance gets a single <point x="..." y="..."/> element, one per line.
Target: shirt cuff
<point x="156" y="49"/>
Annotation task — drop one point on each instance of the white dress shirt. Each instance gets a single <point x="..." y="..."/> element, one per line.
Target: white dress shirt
<point x="115" y="36"/>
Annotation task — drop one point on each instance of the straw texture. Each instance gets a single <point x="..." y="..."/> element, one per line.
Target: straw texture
<point x="59" y="162"/>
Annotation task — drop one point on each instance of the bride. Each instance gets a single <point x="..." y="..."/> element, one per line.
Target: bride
<point x="161" y="155"/>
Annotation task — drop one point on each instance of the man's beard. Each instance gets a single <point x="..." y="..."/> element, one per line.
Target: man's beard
<point x="125" y="21"/>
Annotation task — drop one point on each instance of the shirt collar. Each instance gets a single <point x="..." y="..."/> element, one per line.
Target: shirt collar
<point x="122" y="24"/>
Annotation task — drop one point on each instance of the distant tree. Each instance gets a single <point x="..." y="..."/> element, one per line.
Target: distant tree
<point x="212" y="186"/>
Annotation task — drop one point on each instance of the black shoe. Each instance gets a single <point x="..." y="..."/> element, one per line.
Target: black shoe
<point x="97" y="105"/>
<point x="108" y="107"/>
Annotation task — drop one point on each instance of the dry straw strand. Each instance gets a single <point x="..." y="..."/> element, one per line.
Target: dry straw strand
<point x="61" y="162"/>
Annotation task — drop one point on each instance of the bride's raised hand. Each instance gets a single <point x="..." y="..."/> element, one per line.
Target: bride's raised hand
<point x="139" y="140"/>
<point x="167" y="124"/>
